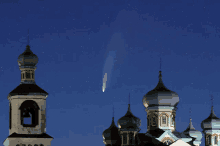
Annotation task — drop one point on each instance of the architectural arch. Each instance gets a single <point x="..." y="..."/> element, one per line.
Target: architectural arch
<point x="29" y="113"/>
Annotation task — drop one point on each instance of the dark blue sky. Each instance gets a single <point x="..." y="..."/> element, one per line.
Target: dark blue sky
<point x="78" y="41"/>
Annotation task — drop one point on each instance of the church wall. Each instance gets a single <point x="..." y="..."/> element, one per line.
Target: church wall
<point x="16" y="102"/>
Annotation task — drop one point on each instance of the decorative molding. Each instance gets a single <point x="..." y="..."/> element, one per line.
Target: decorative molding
<point x="167" y="138"/>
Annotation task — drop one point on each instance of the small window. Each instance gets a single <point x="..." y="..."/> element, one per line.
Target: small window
<point x="150" y="121"/>
<point x="125" y="138"/>
<point x="28" y="75"/>
<point x="154" y="121"/>
<point x="23" y="144"/>
<point x="29" y="145"/>
<point x="130" y="138"/>
<point x="209" y="139"/>
<point x="17" y="144"/>
<point x="41" y="145"/>
<point x="23" y="75"/>
<point x="164" y="119"/>
<point x="216" y="140"/>
<point x="36" y="145"/>
<point x="32" y="75"/>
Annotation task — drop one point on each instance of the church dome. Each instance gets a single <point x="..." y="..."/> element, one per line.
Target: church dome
<point x="212" y="122"/>
<point x="111" y="135"/>
<point x="160" y="96"/>
<point x="129" y="122"/>
<point x="27" y="58"/>
<point x="192" y="132"/>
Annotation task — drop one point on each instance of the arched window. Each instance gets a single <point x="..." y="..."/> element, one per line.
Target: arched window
<point x="130" y="138"/>
<point x="32" y="75"/>
<point x="36" y="145"/>
<point x="23" y="144"/>
<point x="163" y="119"/>
<point x="125" y="138"/>
<point x="17" y="144"/>
<point x="209" y="138"/>
<point x="154" y="121"/>
<point x="29" y="145"/>
<point x="41" y="145"/>
<point x="28" y="75"/>
<point x="216" y="140"/>
<point x="29" y="113"/>
<point x="173" y="120"/>
<point x="168" y="142"/>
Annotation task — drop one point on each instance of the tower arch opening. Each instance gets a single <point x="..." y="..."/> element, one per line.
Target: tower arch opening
<point x="29" y="113"/>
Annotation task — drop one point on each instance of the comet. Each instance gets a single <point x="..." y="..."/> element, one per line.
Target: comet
<point x="104" y="82"/>
<point x="103" y="87"/>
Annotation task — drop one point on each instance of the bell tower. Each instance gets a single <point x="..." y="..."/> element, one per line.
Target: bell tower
<point x="27" y="112"/>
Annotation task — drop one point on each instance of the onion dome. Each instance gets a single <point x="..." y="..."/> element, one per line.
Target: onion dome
<point x="27" y="58"/>
<point x="129" y="122"/>
<point x="191" y="131"/>
<point x="160" y="96"/>
<point x="111" y="135"/>
<point x="212" y="122"/>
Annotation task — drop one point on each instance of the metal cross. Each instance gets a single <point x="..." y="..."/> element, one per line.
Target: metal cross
<point x="212" y="98"/>
<point x="160" y="63"/>
<point x="28" y="37"/>
<point x="129" y="98"/>
<point x="190" y="111"/>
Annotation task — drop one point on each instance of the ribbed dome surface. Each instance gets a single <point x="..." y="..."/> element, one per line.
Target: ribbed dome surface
<point x="212" y="122"/>
<point x="111" y="135"/>
<point x="129" y="122"/>
<point x="160" y="95"/>
<point x="27" y="58"/>
<point x="191" y="131"/>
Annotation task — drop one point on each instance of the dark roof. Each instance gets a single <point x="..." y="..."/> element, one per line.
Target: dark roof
<point x="129" y="121"/>
<point x="180" y="135"/>
<point x="112" y="133"/>
<point x="156" y="132"/>
<point x="160" y="86"/>
<point x="143" y="139"/>
<point x="43" y="135"/>
<point x="28" y="89"/>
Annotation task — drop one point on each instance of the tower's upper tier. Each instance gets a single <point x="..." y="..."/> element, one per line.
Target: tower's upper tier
<point x="27" y="58"/>
<point x="212" y="122"/>
<point x="160" y="96"/>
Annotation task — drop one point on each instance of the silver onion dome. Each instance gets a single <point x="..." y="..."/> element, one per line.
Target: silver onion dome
<point x="27" y="58"/>
<point x="160" y="95"/>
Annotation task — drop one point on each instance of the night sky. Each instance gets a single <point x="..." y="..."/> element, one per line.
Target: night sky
<point x="77" y="42"/>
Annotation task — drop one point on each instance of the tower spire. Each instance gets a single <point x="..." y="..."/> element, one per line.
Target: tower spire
<point x="129" y="102"/>
<point x="160" y="63"/>
<point x="190" y="112"/>
<point x="113" y="111"/>
<point x="129" y="98"/>
<point x="212" y="98"/>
